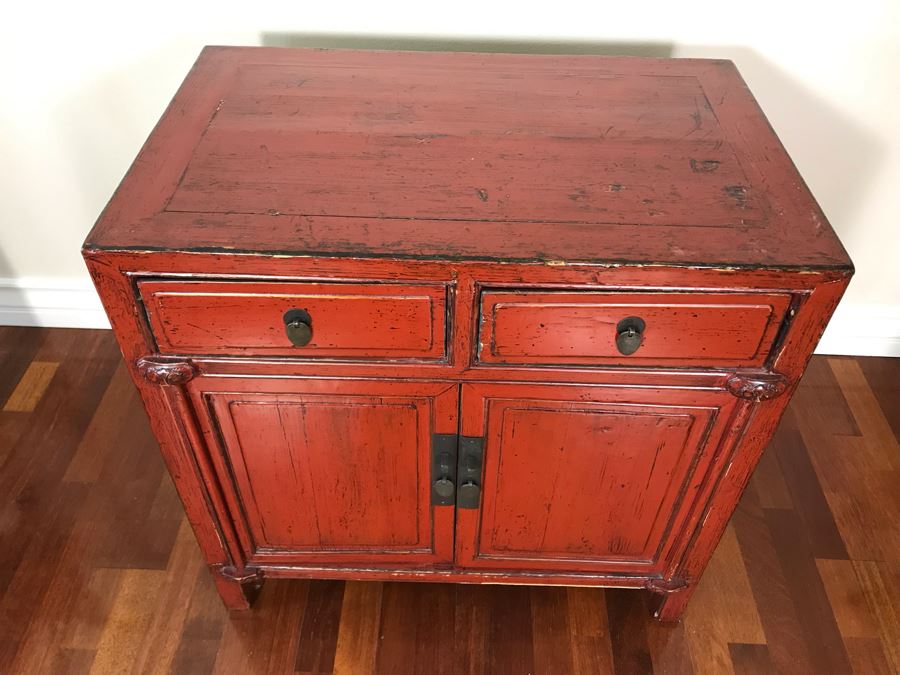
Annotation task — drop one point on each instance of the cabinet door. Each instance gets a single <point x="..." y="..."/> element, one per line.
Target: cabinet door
<point x="330" y="471"/>
<point x="587" y="478"/>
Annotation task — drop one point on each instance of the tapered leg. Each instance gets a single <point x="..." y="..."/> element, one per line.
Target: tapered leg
<point x="237" y="588"/>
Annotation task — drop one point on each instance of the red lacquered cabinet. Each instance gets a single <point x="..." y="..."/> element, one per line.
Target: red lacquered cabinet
<point x="463" y="317"/>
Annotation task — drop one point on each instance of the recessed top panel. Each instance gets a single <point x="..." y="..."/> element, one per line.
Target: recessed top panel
<point x="481" y="156"/>
<point x="475" y="146"/>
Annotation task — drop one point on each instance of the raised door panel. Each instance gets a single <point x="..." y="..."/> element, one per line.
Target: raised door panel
<point x="324" y="471"/>
<point x="586" y="478"/>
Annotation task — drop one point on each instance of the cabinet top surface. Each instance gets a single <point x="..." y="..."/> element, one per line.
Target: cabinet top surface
<point x="461" y="156"/>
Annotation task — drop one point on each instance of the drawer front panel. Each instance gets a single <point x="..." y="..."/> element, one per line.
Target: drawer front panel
<point x="348" y="321"/>
<point x="717" y="329"/>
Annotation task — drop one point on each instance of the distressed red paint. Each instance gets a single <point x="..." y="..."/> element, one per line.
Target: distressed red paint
<point x="464" y="232"/>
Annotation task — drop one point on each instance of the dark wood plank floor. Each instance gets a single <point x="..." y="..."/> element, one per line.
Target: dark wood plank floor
<point x="99" y="572"/>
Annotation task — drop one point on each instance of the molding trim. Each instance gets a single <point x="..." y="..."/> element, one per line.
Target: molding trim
<point x="72" y="302"/>
<point x="53" y="302"/>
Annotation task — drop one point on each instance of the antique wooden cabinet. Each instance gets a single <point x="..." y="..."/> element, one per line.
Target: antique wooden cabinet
<point x="463" y="317"/>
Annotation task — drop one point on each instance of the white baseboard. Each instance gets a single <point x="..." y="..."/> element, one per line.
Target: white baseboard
<point x="872" y="330"/>
<point x="50" y="302"/>
<point x="863" y="330"/>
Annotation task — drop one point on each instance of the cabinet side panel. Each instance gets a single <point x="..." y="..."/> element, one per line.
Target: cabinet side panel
<point x="217" y="543"/>
<point x="753" y="427"/>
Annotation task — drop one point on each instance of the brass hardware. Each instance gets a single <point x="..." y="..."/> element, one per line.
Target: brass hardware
<point x="469" y="495"/>
<point x="443" y="469"/>
<point x="444" y="489"/>
<point x="471" y="456"/>
<point x="629" y="334"/>
<point x="298" y="326"/>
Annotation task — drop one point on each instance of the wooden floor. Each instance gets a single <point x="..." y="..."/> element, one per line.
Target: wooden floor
<point x="99" y="572"/>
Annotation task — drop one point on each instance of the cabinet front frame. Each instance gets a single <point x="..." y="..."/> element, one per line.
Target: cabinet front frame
<point x="115" y="271"/>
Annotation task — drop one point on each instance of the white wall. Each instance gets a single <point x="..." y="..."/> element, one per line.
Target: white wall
<point x="83" y="84"/>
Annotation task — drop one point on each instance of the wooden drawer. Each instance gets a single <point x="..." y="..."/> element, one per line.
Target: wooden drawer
<point x="580" y="328"/>
<point x="348" y="320"/>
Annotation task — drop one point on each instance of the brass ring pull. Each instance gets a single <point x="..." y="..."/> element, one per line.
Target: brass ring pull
<point x="443" y="486"/>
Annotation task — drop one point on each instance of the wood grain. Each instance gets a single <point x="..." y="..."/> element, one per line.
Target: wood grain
<point x="357" y="321"/>
<point x="357" y="639"/>
<point x="581" y="459"/>
<point x="19" y="347"/>
<point x="31" y="387"/>
<point x="589" y="631"/>
<point x="700" y="329"/>
<point x="64" y="609"/>
<point x="469" y="156"/>
<point x="313" y="461"/>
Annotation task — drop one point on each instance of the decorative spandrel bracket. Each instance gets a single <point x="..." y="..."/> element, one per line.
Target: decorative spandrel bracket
<point x="159" y="370"/>
<point x="244" y="575"/>
<point x="757" y="385"/>
<point x="665" y="586"/>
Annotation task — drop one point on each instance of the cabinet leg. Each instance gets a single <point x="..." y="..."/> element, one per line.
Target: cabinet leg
<point x="668" y="605"/>
<point x="237" y="588"/>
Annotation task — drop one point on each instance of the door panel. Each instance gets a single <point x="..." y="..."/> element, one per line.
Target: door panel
<point x="331" y="471"/>
<point x="333" y="463"/>
<point x="586" y="478"/>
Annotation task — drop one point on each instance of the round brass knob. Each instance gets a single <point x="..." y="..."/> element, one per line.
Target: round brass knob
<point x="629" y="334"/>
<point x="298" y="326"/>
